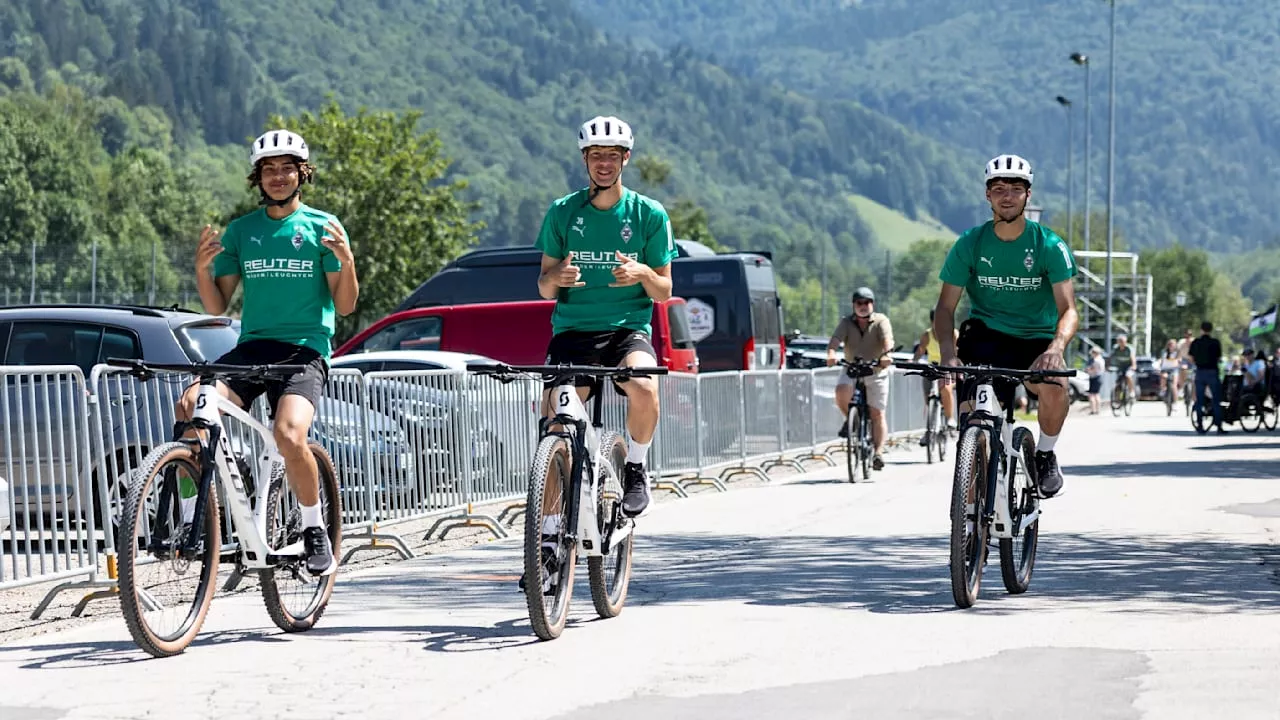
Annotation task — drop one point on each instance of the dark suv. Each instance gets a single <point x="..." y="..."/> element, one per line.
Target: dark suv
<point x="39" y="452"/>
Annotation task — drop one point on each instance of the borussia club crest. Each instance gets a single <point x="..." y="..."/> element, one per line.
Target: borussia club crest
<point x="297" y="239"/>
<point x="1030" y="260"/>
<point x="626" y="232"/>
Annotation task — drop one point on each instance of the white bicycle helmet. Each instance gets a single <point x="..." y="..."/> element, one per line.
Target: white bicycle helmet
<point x="1008" y="166"/>
<point x="603" y="131"/>
<point x="278" y="143"/>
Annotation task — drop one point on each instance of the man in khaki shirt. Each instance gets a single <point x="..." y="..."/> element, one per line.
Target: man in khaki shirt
<point x="867" y="335"/>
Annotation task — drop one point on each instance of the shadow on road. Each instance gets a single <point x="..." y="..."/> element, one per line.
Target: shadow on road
<point x="1209" y="467"/>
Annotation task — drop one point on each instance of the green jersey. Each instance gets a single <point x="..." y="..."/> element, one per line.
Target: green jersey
<point x="1010" y="284"/>
<point x="1122" y="356"/>
<point x="637" y="227"/>
<point x="282" y="266"/>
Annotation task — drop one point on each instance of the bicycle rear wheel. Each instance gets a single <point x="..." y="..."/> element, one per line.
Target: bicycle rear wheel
<point x="1268" y="417"/>
<point x="295" y="598"/>
<point x="853" y="444"/>
<point x="549" y="584"/>
<point x="968" y="530"/>
<point x="1018" y="554"/>
<point x="164" y="595"/>
<point x="610" y="574"/>
<point x="1117" y="399"/>
<point x="1250" y="414"/>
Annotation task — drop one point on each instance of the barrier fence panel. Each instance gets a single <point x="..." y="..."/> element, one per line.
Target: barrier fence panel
<point x="676" y="447"/>
<point x="48" y="497"/>
<point x="720" y="420"/>
<point x="797" y="409"/>
<point x="827" y="418"/>
<point x="905" y="406"/>
<point x="762" y="414"/>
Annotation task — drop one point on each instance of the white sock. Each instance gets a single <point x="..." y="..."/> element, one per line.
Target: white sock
<point x="311" y="516"/>
<point x="637" y="452"/>
<point x="1047" y="442"/>
<point x="551" y="524"/>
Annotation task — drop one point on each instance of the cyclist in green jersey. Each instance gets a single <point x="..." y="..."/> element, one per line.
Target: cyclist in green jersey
<point x="1018" y="275"/>
<point x="1122" y="359"/>
<point x="607" y="253"/>
<point x="297" y="270"/>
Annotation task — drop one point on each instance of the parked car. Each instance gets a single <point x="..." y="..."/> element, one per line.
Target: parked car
<point x="1147" y="377"/>
<point x="513" y="332"/>
<point x="806" y="351"/>
<point x="135" y="415"/>
<point x="499" y="419"/>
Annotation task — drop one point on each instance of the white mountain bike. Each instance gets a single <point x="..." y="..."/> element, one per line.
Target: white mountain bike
<point x="994" y="491"/>
<point x="574" y="453"/>
<point x="169" y="571"/>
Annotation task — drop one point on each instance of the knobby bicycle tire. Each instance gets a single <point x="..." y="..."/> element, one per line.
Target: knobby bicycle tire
<point x="553" y="456"/>
<point x="284" y="526"/>
<point x="1018" y="555"/>
<point x="133" y="556"/>
<point x="610" y="574"/>
<point x="968" y="549"/>
<point x="1250" y="414"/>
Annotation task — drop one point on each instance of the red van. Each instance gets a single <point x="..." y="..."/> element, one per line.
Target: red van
<point x="512" y="332"/>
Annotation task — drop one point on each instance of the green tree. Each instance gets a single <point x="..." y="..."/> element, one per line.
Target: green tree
<point x="385" y="180"/>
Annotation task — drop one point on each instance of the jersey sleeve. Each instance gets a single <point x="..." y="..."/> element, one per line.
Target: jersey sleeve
<point x="228" y="261"/>
<point x="659" y="243"/>
<point x="551" y="240"/>
<point x="1059" y="264"/>
<point x="841" y="333"/>
<point x="328" y="260"/>
<point x="957" y="269"/>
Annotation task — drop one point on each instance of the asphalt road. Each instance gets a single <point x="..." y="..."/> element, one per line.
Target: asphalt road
<point x="1155" y="595"/>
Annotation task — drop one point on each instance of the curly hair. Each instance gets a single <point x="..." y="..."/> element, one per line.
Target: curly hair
<point x="306" y="171"/>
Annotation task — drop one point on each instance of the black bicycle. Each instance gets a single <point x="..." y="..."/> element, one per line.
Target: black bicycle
<point x="994" y="490"/>
<point x="937" y="434"/>
<point x="574" y="454"/>
<point x="858" y="445"/>
<point x="1121" y="398"/>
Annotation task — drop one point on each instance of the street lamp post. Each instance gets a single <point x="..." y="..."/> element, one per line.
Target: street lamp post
<point x="1082" y="59"/>
<point x="1071" y="186"/>
<point x="1111" y="168"/>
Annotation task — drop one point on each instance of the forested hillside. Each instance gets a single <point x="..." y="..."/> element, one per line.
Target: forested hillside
<point x="505" y="81"/>
<point x="1197" y="152"/>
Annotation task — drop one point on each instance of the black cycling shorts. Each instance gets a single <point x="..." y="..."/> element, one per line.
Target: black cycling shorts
<point x="980" y="345"/>
<point x="607" y="348"/>
<point x="309" y="383"/>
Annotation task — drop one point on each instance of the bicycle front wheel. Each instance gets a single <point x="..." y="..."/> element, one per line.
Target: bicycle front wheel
<point x="1268" y="417"/>
<point x="295" y="598"/>
<point x="1018" y="554"/>
<point x="610" y="574"/>
<point x="1117" y="400"/>
<point x="165" y="592"/>
<point x="852" y="444"/>
<point x="931" y="429"/>
<point x="968" y="531"/>
<point x="549" y="555"/>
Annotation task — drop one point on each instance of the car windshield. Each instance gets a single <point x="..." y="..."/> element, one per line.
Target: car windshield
<point x="207" y="342"/>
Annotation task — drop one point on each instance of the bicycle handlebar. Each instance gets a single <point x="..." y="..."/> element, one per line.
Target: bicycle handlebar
<point x="550" y="372"/>
<point x="146" y="370"/>
<point x="934" y="372"/>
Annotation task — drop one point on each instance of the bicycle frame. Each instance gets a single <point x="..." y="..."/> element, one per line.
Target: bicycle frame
<point x="248" y="517"/>
<point x="994" y="420"/>
<point x="587" y="465"/>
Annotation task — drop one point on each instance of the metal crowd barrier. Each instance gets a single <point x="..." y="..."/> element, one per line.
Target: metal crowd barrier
<point x="425" y="446"/>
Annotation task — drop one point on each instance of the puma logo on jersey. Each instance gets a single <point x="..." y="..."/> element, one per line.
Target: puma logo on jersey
<point x="257" y="240"/>
<point x="580" y="230"/>
<point x="987" y="261"/>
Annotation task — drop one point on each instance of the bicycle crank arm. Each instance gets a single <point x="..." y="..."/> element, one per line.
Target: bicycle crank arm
<point x="1026" y="521"/>
<point x="617" y="536"/>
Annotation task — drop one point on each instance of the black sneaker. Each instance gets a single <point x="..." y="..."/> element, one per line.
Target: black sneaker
<point x="877" y="462"/>
<point x="1048" y="476"/>
<point x="843" y="432"/>
<point x="550" y="563"/>
<point x="924" y="440"/>
<point x="635" y="489"/>
<point x="319" y="555"/>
